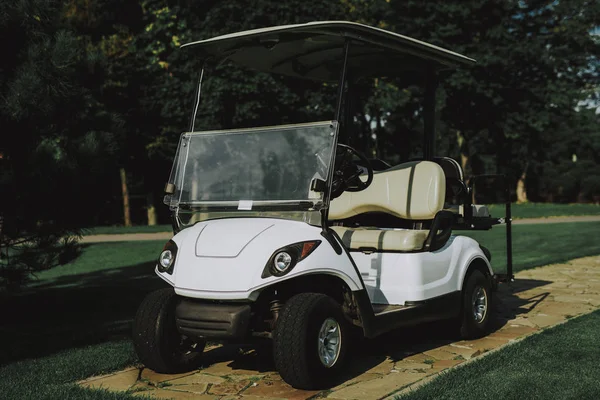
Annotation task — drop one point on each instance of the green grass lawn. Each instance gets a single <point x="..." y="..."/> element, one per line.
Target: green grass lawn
<point x="91" y="300"/>
<point x="115" y="230"/>
<point x="54" y="377"/>
<point x="535" y="245"/>
<point x="545" y="210"/>
<point x="108" y="258"/>
<point x="558" y="363"/>
<point x="74" y="321"/>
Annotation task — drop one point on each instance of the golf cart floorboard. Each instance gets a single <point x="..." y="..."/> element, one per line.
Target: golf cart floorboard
<point x="379" y="309"/>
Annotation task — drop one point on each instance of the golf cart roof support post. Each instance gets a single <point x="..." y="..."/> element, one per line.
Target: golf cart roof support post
<point x="342" y="81"/>
<point x="509" y="262"/>
<point x="429" y="115"/>
<point x="197" y="94"/>
<point x="338" y="114"/>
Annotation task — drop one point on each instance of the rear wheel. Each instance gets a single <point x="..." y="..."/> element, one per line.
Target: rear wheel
<point x="310" y="341"/>
<point x="476" y="306"/>
<point x="157" y="342"/>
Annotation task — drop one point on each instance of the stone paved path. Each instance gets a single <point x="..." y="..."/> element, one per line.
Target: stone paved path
<point x="126" y="237"/>
<point x="397" y="362"/>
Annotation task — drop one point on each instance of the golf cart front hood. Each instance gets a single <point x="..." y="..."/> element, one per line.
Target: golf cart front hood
<point x="224" y="259"/>
<point x="235" y="237"/>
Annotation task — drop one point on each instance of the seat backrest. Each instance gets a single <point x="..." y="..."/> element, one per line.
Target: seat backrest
<point x="451" y="167"/>
<point x="413" y="190"/>
<point x="455" y="182"/>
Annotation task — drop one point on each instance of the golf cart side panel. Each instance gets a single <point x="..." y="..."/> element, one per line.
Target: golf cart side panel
<point x="397" y="278"/>
<point x="213" y="265"/>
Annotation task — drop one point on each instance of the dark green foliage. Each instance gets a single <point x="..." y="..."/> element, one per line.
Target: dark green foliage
<point x="517" y="108"/>
<point x="43" y="140"/>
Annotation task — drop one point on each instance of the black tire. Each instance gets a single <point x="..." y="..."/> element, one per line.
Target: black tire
<point x="472" y="327"/>
<point x="296" y="341"/>
<point x="156" y="340"/>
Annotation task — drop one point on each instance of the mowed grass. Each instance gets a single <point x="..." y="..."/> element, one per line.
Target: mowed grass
<point x="107" y="257"/>
<point x="541" y="244"/>
<point x="55" y="377"/>
<point x="558" y="363"/>
<point x="74" y="321"/>
<point x="91" y="300"/>
<point x="546" y="210"/>
<point x="117" y="229"/>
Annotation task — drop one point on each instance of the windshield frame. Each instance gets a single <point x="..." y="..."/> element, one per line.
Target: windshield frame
<point x="307" y="204"/>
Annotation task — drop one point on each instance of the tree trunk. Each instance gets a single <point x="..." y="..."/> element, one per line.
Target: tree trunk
<point x="463" y="147"/>
<point x="125" y="191"/>
<point x="150" y="209"/>
<point x="522" y="189"/>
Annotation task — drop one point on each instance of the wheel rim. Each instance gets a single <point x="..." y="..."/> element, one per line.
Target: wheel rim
<point x="330" y="340"/>
<point x="480" y="304"/>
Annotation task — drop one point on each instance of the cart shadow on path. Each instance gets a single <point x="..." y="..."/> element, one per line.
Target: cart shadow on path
<point x="379" y="355"/>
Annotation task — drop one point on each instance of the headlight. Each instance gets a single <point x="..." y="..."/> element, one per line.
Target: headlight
<point x="284" y="259"/>
<point x="166" y="260"/>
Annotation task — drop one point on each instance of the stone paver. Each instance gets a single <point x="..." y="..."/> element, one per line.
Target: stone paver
<point x="394" y="363"/>
<point x="120" y="381"/>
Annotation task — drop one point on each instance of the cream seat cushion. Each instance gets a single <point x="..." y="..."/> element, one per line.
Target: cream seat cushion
<point x="413" y="190"/>
<point x="381" y="239"/>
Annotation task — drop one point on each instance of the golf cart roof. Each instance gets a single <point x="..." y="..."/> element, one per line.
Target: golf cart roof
<point x="315" y="51"/>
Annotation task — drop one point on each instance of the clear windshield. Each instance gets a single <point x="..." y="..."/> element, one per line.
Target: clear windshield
<point x="256" y="169"/>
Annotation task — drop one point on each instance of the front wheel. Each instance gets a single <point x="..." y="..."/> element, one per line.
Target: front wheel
<point x="310" y="341"/>
<point x="476" y="306"/>
<point x="156" y="339"/>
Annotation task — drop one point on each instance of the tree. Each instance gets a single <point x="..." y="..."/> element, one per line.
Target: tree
<point x="534" y="60"/>
<point x="49" y="152"/>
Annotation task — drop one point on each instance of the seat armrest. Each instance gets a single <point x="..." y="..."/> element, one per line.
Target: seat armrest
<point x="443" y="222"/>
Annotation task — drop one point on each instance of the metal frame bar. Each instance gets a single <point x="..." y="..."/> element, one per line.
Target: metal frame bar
<point x="175" y="223"/>
<point x="197" y="94"/>
<point x="337" y="116"/>
<point x="508" y="215"/>
<point x="469" y="222"/>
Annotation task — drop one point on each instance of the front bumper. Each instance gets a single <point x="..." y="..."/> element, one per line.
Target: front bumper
<point x="209" y="320"/>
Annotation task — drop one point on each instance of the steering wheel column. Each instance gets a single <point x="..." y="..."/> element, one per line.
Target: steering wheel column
<point x="347" y="173"/>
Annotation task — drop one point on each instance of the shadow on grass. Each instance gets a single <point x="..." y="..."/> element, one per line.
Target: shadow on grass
<point x="73" y="311"/>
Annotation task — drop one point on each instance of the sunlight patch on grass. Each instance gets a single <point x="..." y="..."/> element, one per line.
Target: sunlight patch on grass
<point x="545" y="210"/>
<point x="115" y="230"/>
<point x="558" y="363"/>
<point x="537" y="245"/>
<point x="105" y="256"/>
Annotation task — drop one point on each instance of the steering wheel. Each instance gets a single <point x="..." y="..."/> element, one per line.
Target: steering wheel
<point x="346" y="176"/>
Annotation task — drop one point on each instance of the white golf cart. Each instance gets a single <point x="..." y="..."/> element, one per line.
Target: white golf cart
<point x="285" y="234"/>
